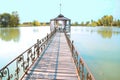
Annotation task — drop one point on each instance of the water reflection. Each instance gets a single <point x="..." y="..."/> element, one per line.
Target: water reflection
<point x="9" y="34"/>
<point x="100" y="48"/>
<point x="107" y="32"/>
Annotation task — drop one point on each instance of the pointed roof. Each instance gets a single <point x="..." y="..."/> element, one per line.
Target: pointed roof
<point x="60" y="17"/>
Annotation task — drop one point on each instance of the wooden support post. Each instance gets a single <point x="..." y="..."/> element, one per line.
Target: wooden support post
<point x="76" y="58"/>
<point x="37" y="47"/>
<point x="72" y="47"/>
<point x="87" y="77"/>
<point x="90" y="77"/>
<point x="79" y="68"/>
<point x="47" y="36"/>
<point x="82" y="71"/>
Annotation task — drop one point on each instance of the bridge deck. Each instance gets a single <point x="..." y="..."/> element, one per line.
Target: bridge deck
<point x="55" y="63"/>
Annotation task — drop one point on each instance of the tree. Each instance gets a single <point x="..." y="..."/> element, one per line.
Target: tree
<point x="106" y="20"/>
<point x="36" y="23"/>
<point x="44" y="24"/>
<point x="99" y="22"/>
<point x="5" y="19"/>
<point x="0" y="19"/>
<point x="118" y="22"/>
<point x="82" y="23"/>
<point x="75" y="24"/>
<point x="11" y="20"/>
<point x="14" y="19"/>
<point x="114" y="23"/>
<point x="94" y="24"/>
<point x="110" y="20"/>
<point x="87" y="23"/>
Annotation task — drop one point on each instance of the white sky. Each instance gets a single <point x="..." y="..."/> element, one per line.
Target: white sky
<point x="76" y="10"/>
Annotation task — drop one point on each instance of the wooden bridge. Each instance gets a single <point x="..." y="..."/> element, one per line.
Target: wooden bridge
<point x="56" y="62"/>
<point x="52" y="58"/>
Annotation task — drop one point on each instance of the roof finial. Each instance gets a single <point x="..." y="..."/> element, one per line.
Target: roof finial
<point x="60" y="7"/>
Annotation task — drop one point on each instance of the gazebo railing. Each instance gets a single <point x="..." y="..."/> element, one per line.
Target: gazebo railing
<point x="18" y="67"/>
<point x="82" y="68"/>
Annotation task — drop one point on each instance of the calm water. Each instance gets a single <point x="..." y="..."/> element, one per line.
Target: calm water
<point x="100" y="47"/>
<point x="13" y="41"/>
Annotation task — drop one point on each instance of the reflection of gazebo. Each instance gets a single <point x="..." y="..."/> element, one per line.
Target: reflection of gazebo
<point x="61" y="23"/>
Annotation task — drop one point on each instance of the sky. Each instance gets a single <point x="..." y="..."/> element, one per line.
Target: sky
<point x="76" y="10"/>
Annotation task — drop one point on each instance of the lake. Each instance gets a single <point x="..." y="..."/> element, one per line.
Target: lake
<point x="99" y="46"/>
<point x="14" y="41"/>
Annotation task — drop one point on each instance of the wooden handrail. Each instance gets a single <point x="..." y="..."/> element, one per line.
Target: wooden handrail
<point x="80" y="63"/>
<point x="18" y="67"/>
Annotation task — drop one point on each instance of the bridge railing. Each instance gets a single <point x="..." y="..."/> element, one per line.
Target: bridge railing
<point x="18" y="67"/>
<point x="82" y="68"/>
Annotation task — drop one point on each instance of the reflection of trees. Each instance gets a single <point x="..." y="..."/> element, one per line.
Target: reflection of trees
<point x="105" y="33"/>
<point x="8" y="34"/>
<point x="116" y="32"/>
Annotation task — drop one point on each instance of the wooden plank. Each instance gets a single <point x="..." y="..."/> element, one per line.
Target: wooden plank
<point x="56" y="63"/>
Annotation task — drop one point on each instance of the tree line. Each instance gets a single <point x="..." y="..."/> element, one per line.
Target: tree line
<point x="9" y="20"/>
<point x="35" y="23"/>
<point x="106" y="20"/>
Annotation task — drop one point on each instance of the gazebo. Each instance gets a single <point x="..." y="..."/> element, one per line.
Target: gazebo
<point x="61" y="23"/>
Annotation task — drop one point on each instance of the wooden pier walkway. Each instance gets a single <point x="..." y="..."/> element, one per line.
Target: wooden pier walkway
<point x="55" y="63"/>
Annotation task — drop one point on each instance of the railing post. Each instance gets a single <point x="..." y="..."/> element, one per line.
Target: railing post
<point x="82" y="71"/>
<point x="47" y="36"/>
<point x="37" y="47"/>
<point x="76" y="58"/>
<point x="87" y="76"/>
<point x="79" y="68"/>
<point x="90" y="78"/>
<point x="72" y="47"/>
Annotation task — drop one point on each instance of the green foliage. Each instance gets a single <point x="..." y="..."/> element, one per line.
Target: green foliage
<point x="36" y="23"/>
<point x="87" y="23"/>
<point x="105" y="33"/>
<point x="118" y="23"/>
<point x="75" y="24"/>
<point x="93" y="23"/>
<point x="10" y="34"/>
<point x="14" y="20"/>
<point x="106" y="20"/>
<point x="5" y="19"/>
<point x="9" y="20"/>
<point x="82" y="24"/>
<point x="44" y="24"/>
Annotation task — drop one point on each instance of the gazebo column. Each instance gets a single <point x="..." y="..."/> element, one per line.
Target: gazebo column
<point x="56" y="24"/>
<point x="52" y="26"/>
<point x="64" y="25"/>
<point x="69" y="25"/>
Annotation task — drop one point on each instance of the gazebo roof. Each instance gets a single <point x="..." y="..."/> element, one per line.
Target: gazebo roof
<point x="60" y="17"/>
